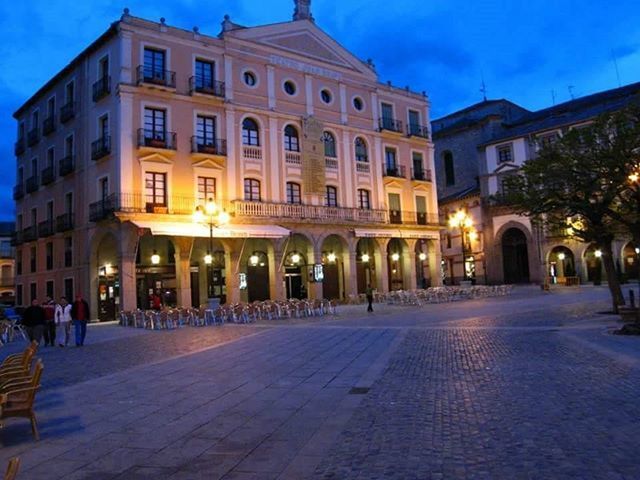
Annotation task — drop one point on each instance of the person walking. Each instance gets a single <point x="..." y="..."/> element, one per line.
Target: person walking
<point x="63" y="321"/>
<point x="369" y="298"/>
<point x="80" y="316"/>
<point x="49" y="307"/>
<point x="33" y="320"/>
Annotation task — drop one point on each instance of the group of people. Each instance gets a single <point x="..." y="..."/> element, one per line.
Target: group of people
<point x="53" y="321"/>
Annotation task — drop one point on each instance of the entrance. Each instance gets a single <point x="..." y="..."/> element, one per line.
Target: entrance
<point x="294" y="284"/>
<point x="515" y="256"/>
<point x="108" y="294"/>
<point x="331" y="282"/>
<point x="258" y="277"/>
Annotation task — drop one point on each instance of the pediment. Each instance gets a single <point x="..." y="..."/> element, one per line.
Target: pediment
<point x="207" y="163"/>
<point x="155" y="158"/>
<point x="505" y="166"/>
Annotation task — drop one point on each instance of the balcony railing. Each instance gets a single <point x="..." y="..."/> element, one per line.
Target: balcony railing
<point x="390" y="124"/>
<point x="209" y="146"/>
<point x="17" y="238"/>
<point x="32" y="184"/>
<point x="207" y="87"/>
<point x="331" y="163"/>
<point x="164" y="78"/>
<point x="101" y="88"/>
<point x="30" y="234"/>
<point x="66" y="165"/>
<point x="251" y="153"/>
<point x="101" y="148"/>
<point x="307" y="212"/>
<point x="395" y="217"/>
<point x="420" y="218"/>
<point x="64" y="222"/>
<point x="363" y="167"/>
<point x="67" y="112"/>
<point x="102" y="208"/>
<point x="415" y="130"/>
<point x="397" y="171"/>
<point x="49" y="125"/>
<point x="45" y="229"/>
<point x="156" y="139"/>
<point x="33" y="137"/>
<point x="47" y="176"/>
<point x="18" y="191"/>
<point x="20" y="146"/>
<point x="293" y="158"/>
<point x="421" y="174"/>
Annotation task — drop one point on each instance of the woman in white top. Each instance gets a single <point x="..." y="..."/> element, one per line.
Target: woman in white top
<point x="62" y="317"/>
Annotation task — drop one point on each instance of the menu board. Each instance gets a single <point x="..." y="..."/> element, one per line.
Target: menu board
<point x="313" y="167"/>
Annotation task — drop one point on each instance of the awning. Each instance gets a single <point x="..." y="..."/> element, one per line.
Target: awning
<point x="393" y="233"/>
<point x="184" y="229"/>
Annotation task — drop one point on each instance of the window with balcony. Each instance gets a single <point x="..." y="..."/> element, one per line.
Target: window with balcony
<point x="331" y="197"/>
<point x="154" y="67"/>
<point x="155" y="127"/>
<point x="205" y="75"/>
<point x="251" y="190"/>
<point x="102" y="146"/>
<point x="421" y="210"/>
<point x="68" y="111"/>
<point x="155" y="190"/>
<point x="33" y="258"/>
<point x="387" y="120"/>
<point x="361" y="152"/>
<point x="20" y="146"/>
<point x="250" y="132"/>
<point x="418" y="172"/>
<point x="364" y="199"/>
<point x="48" y="174"/>
<point x="33" y="291"/>
<point x="293" y="193"/>
<point x="49" y="255"/>
<point x="329" y="145"/>
<point x="206" y="189"/>
<point x="391" y="161"/>
<point x="505" y="154"/>
<point x="68" y="251"/>
<point x="206" y="134"/>
<point x="449" y="172"/>
<point x="291" y="141"/>
<point x="102" y="86"/>
<point x="395" y="213"/>
<point x="48" y="125"/>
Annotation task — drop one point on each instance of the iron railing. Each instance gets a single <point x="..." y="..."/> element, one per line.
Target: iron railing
<point x="18" y="192"/>
<point x="421" y="174"/>
<point x="66" y="165"/>
<point x="416" y="130"/>
<point x="390" y="124"/>
<point x="210" y="146"/>
<point x="307" y="212"/>
<point x="397" y="171"/>
<point x="164" y="78"/>
<point x="64" y="222"/>
<point x="17" y="238"/>
<point x="49" y="125"/>
<point x="101" y="148"/>
<point x="47" y="176"/>
<point x="157" y="139"/>
<point x="101" y="88"/>
<point x="20" y="146"/>
<point x="30" y="234"/>
<point x="33" y="136"/>
<point x="199" y="84"/>
<point x="46" y="228"/>
<point x="67" y="111"/>
<point x="32" y="184"/>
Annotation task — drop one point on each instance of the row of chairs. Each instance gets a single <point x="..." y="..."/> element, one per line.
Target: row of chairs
<point x="446" y="294"/>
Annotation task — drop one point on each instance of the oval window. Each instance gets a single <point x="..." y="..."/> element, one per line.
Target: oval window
<point x="358" y="104"/>
<point x="290" y="87"/>
<point x="250" y="79"/>
<point x="326" y="96"/>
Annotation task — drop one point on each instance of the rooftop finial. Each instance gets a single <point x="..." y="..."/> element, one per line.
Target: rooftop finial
<point x="302" y="10"/>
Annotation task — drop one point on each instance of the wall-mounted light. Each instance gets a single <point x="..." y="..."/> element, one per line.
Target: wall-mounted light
<point x="365" y="257"/>
<point x="395" y="257"/>
<point x="253" y="260"/>
<point x="331" y="257"/>
<point x="295" y="258"/>
<point x="561" y="256"/>
<point x="155" y="258"/>
<point x="208" y="259"/>
<point x="422" y="256"/>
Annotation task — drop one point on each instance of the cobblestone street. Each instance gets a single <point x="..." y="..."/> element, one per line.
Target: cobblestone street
<point x="526" y="386"/>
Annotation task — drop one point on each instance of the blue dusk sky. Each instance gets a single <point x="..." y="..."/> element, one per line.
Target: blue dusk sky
<point x="525" y="50"/>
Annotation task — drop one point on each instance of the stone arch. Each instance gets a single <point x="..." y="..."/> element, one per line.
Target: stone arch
<point x="526" y="270"/>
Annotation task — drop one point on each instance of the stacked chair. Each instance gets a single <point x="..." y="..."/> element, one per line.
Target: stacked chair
<point x="12" y="469"/>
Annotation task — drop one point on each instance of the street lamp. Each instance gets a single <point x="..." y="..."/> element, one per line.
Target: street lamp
<point x="210" y="214"/>
<point x="464" y="222"/>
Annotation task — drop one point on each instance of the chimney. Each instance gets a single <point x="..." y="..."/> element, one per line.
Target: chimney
<point x="302" y="10"/>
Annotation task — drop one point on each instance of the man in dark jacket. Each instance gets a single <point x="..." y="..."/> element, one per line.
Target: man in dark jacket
<point x="49" y="307"/>
<point x="80" y="316"/>
<point x="33" y="320"/>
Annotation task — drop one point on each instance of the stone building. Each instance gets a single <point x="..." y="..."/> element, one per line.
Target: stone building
<point x="323" y="172"/>
<point x="7" y="263"/>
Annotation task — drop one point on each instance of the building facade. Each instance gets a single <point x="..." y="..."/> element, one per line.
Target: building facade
<point x="324" y="172"/>
<point x="7" y="264"/>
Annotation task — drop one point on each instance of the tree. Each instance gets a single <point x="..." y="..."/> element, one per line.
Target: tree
<point x="580" y="182"/>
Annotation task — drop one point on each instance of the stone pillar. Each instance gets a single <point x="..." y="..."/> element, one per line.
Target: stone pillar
<point x="129" y="236"/>
<point x="435" y="260"/>
<point x="184" y="246"/>
<point x="381" y="263"/>
<point x="315" y="288"/>
<point x="350" y="266"/>
<point x="232" y="259"/>
<point x="409" y="265"/>
<point x="276" y="269"/>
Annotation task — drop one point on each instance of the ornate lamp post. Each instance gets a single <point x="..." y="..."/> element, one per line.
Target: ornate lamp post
<point x="210" y="214"/>
<point x="464" y="222"/>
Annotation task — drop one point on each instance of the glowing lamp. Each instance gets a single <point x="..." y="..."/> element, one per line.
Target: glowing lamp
<point x="210" y="207"/>
<point x="634" y="177"/>
<point x="473" y="236"/>
<point x="295" y="258"/>
<point x="208" y="259"/>
<point x="254" y="259"/>
<point x="598" y="253"/>
<point x="223" y="218"/>
<point x="637" y="250"/>
<point x="155" y="258"/>
<point x="561" y="256"/>
<point x="422" y="256"/>
<point x="395" y="257"/>
<point x="365" y="257"/>
<point x="198" y="216"/>
<point x="331" y="258"/>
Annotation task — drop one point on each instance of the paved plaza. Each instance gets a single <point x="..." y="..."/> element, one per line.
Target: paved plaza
<point x="527" y="386"/>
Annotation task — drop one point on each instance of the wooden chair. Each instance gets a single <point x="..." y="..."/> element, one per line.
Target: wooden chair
<point x="21" y="377"/>
<point x="20" y="360"/>
<point x="18" y="399"/>
<point x="12" y="469"/>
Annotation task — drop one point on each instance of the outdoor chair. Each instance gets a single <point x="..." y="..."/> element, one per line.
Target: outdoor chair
<point x="13" y="379"/>
<point x="17" y="401"/>
<point x="12" y="469"/>
<point x="20" y="360"/>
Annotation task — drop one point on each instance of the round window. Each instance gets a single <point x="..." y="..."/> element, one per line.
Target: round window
<point x="326" y="96"/>
<point x="358" y="104"/>
<point x="290" y="87"/>
<point x="250" y="79"/>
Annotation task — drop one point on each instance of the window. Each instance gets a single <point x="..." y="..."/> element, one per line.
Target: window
<point x="51" y="107"/>
<point x="104" y="188"/>
<point x="289" y="87"/>
<point x="395" y="214"/>
<point x="20" y="178"/>
<point x="448" y="240"/>
<point x="358" y="104"/>
<point x="21" y="131"/>
<point x="69" y="92"/>
<point x="154" y="63"/>
<point x="250" y="78"/>
<point x="250" y="132"/>
<point x="34" y="167"/>
<point x="391" y="161"/>
<point x="421" y="210"/>
<point x="331" y="197"/>
<point x="68" y="146"/>
<point x="364" y="201"/>
<point x="50" y="210"/>
<point x="19" y="295"/>
<point x="206" y="189"/>
<point x="414" y="121"/>
<point x="293" y="193"/>
<point x="326" y="96"/>
<point x="34" y="119"/>
<point x="204" y="75"/>
<point x="49" y="288"/>
<point x="449" y="173"/>
<point x="361" y="150"/>
<point x="34" y="217"/>
<point x="103" y="127"/>
<point x="18" y="262"/>
<point x="329" y="145"/>
<point x="103" y="67"/>
<point x="49" y="255"/>
<point x="418" y="169"/>
<point x="68" y="288"/>
<point x="387" y="111"/>
<point x="33" y="259"/>
<point x="251" y="190"/>
<point x="68" y="203"/>
<point x="291" y="142"/>
<point x="33" y="291"/>
<point x="206" y="130"/>
<point x="505" y="155"/>
<point x="547" y="139"/>
<point x="68" y="252"/>
<point x="155" y="186"/>
<point x="154" y="123"/>
<point x="50" y="157"/>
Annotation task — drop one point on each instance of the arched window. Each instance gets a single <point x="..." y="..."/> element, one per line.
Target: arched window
<point x="449" y="174"/>
<point x="364" y="201"/>
<point x="329" y="145"/>
<point x="361" y="150"/>
<point x="291" y="142"/>
<point x="250" y="132"/>
<point x="331" y="197"/>
<point x="251" y="190"/>
<point x="293" y="193"/>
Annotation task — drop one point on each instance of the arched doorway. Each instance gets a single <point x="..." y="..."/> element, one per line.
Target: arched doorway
<point x="593" y="261"/>
<point x="630" y="259"/>
<point x="515" y="256"/>
<point x="333" y="249"/>
<point x="156" y="271"/>
<point x="108" y="280"/>
<point x="365" y="264"/>
<point x="396" y="249"/>
<point x="561" y="264"/>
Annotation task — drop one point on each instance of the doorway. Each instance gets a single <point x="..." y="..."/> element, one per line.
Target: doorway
<point x="515" y="256"/>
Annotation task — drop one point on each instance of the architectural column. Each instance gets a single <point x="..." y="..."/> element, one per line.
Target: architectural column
<point x="232" y="258"/>
<point x="350" y="265"/>
<point x="233" y="169"/>
<point x="183" y="247"/>
<point x="314" y="256"/>
<point x="274" y="164"/>
<point x="129" y="236"/>
<point x="276" y="269"/>
<point x="435" y="259"/>
<point x="381" y="263"/>
<point x="409" y="274"/>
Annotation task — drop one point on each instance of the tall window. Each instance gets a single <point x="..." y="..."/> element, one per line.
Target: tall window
<point x="421" y="209"/>
<point x="329" y="145"/>
<point x="68" y="252"/>
<point x="103" y="126"/>
<point x="206" y="189"/>
<point x="155" y="123"/>
<point x="390" y="158"/>
<point x="204" y="74"/>
<point x="104" y="189"/>
<point x="49" y="255"/>
<point x="18" y="262"/>
<point x="68" y="287"/>
<point x="103" y="67"/>
<point x="154" y="63"/>
<point x="387" y="111"/>
<point x="250" y="132"/>
<point x="155" y="186"/>
<point x="49" y="288"/>
<point x="449" y="173"/>
<point x="68" y="146"/>
<point x="251" y="190"/>
<point x="50" y="157"/>
<point x="33" y="259"/>
<point x="18" y="295"/>
<point x="51" y="107"/>
<point x="34" y="167"/>
<point x="33" y="291"/>
<point x="291" y="142"/>
<point x="361" y="150"/>
<point x="50" y="210"/>
<point x="68" y="203"/>
<point x="69" y="92"/>
<point x="34" y="119"/>
<point x="293" y="193"/>
<point x="206" y="130"/>
<point x="364" y="200"/>
<point x="505" y="154"/>
<point x="331" y="197"/>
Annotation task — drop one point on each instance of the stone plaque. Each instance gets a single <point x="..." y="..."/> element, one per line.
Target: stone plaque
<point x="313" y="167"/>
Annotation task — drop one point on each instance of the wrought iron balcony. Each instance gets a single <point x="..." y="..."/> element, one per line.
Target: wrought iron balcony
<point x="18" y="191"/>
<point x="397" y="171"/>
<point x="102" y="209"/>
<point x="20" y="146"/>
<point x="390" y="124"/>
<point x="156" y="139"/>
<point x="45" y="228"/>
<point x="164" y="78"/>
<point x="199" y="84"/>
<point x="17" y="238"/>
<point x="415" y="130"/>
<point x="101" y="148"/>
<point x="30" y="234"/>
<point x="49" y="125"/>
<point x="421" y="174"/>
<point x="67" y="112"/>
<point x="32" y="184"/>
<point x="64" y="222"/>
<point x="101" y="88"/>
<point x="33" y="137"/>
<point x="47" y="176"/>
<point x="66" y="165"/>
<point x="210" y="146"/>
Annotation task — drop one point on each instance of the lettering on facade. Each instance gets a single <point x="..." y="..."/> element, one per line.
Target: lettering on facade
<point x="304" y="67"/>
<point x="313" y="166"/>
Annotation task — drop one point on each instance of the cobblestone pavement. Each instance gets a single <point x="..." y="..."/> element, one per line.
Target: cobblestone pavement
<point x="526" y="386"/>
